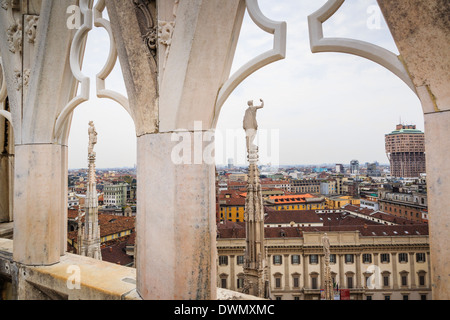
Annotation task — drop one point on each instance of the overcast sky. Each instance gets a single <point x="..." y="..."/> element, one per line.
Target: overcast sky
<point x="319" y="108"/>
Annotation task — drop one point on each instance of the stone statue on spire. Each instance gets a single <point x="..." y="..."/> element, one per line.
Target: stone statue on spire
<point x="255" y="262"/>
<point x="250" y="124"/>
<point x="328" y="290"/>
<point x="89" y="233"/>
<point x="92" y="138"/>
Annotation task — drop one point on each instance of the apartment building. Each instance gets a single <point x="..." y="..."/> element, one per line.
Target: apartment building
<point x="115" y="194"/>
<point x="295" y="202"/>
<point x="372" y="261"/>
<point x="409" y="205"/>
<point x="305" y="186"/>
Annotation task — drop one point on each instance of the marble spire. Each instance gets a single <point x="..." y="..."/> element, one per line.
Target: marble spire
<point x="255" y="262"/>
<point x="89" y="235"/>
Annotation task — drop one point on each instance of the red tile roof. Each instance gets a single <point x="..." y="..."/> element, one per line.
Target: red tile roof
<point x="237" y="230"/>
<point x="115" y="252"/>
<point x="288" y="216"/>
<point x="378" y="214"/>
<point x="109" y="224"/>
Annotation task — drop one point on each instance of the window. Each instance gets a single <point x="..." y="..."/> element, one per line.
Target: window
<point x="386" y="280"/>
<point x="368" y="297"/>
<point x="387" y="297"/>
<point x="278" y="277"/>
<point x="348" y="258"/>
<point x="314" y="282"/>
<point x="277" y="259"/>
<point x="384" y="257"/>
<point x="420" y="257"/>
<point x="295" y="259"/>
<point x="421" y="278"/>
<point x="367" y="258"/>
<point x="240" y="282"/>
<point x="350" y="282"/>
<point x="402" y="257"/>
<point x="404" y="278"/>
<point x="405" y="297"/>
<point x="313" y="259"/>
<point x="367" y="281"/>
<point x="423" y="297"/>
<point x="332" y="258"/>
<point x="223" y="261"/>
<point x="223" y="283"/>
<point x="277" y="282"/>
<point x="296" y="280"/>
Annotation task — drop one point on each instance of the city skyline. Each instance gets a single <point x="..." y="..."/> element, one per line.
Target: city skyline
<point x="325" y="107"/>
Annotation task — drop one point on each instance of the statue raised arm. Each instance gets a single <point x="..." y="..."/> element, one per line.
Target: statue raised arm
<point x="92" y="137"/>
<point x="250" y="124"/>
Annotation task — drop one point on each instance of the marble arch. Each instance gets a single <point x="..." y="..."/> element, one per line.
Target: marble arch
<point x="174" y="79"/>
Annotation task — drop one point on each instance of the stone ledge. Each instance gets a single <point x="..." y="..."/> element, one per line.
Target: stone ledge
<point x="79" y="278"/>
<point x="74" y="278"/>
<point x="6" y="230"/>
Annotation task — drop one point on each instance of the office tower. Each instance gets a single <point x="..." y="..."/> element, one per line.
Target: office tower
<point x="405" y="149"/>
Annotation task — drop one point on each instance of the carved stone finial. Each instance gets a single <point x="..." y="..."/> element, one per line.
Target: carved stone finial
<point x="31" y="27"/>
<point x="14" y="37"/>
<point x="149" y="28"/>
<point x="165" y="30"/>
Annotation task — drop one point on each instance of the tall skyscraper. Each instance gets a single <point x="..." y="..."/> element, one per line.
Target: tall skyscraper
<point x="89" y="234"/>
<point x="354" y="167"/>
<point x="405" y="149"/>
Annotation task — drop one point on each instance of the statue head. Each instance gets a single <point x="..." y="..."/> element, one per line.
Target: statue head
<point x="250" y="103"/>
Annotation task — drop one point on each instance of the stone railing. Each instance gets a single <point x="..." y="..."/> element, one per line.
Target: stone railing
<point x="74" y="278"/>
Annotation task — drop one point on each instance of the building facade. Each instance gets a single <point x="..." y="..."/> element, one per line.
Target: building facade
<point x="379" y="263"/>
<point x="412" y="205"/>
<point x="354" y="167"/>
<point x="305" y="186"/>
<point x="338" y="202"/>
<point x="115" y="194"/>
<point x="72" y="200"/>
<point x="405" y="149"/>
<point x="328" y="187"/>
<point x="295" y="202"/>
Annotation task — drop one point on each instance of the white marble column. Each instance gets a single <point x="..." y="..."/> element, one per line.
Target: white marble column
<point x="37" y="204"/>
<point x="420" y="31"/>
<point x="437" y="143"/>
<point x="176" y="231"/>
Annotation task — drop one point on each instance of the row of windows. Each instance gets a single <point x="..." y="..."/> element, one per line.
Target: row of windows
<point x="411" y="213"/>
<point x="348" y="258"/>
<point x="314" y="280"/>
<point x="301" y="207"/>
<point x="230" y="214"/>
